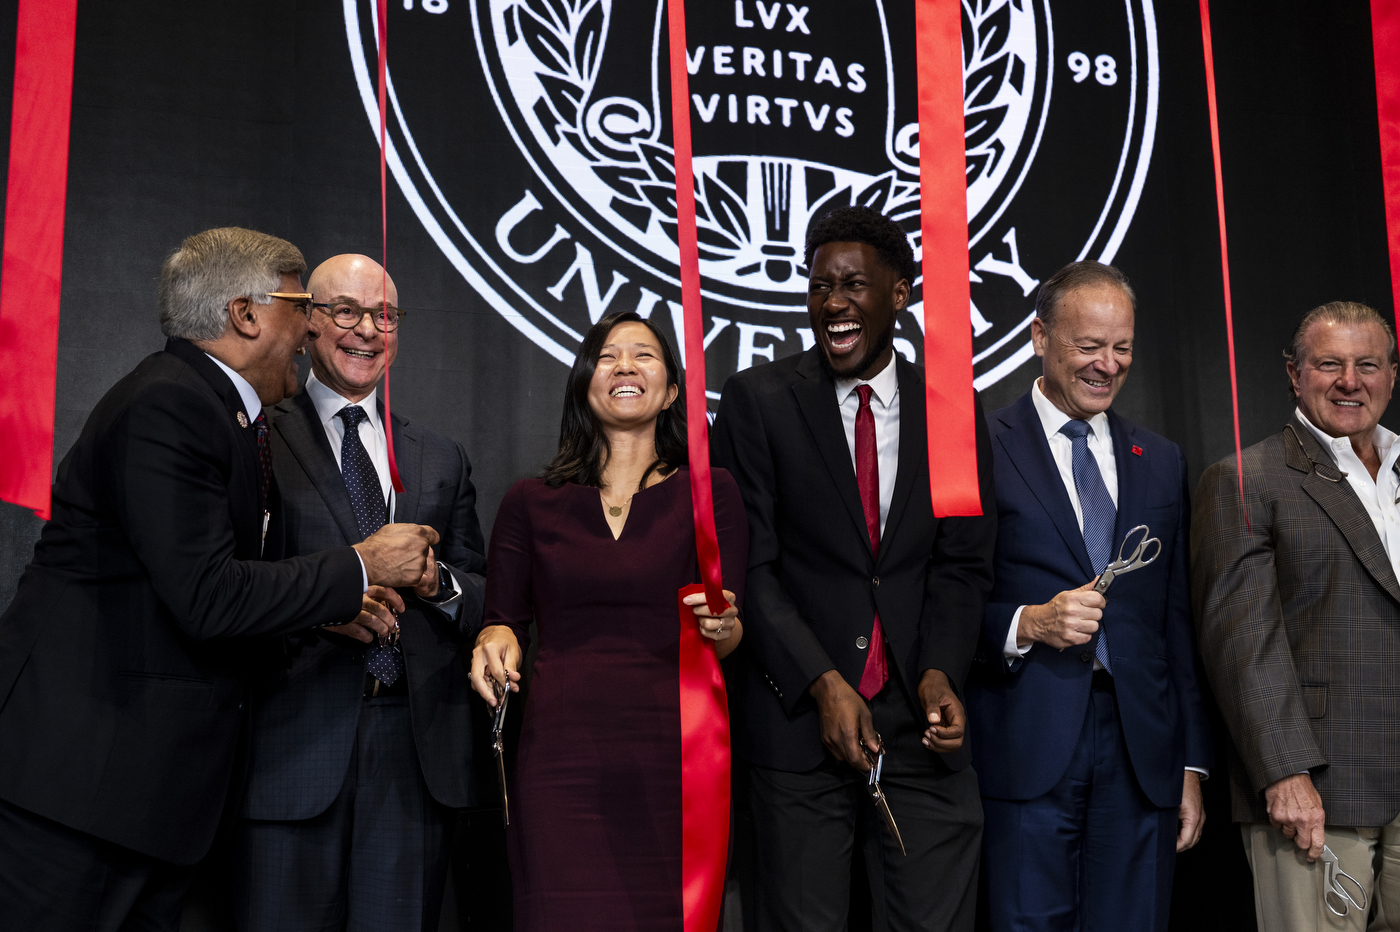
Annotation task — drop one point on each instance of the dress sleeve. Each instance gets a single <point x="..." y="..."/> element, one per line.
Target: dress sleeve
<point x="509" y="591"/>
<point x="732" y="528"/>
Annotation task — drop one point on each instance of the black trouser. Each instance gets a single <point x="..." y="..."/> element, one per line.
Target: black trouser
<point x="805" y="830"/>
<point x="56" y="879"/>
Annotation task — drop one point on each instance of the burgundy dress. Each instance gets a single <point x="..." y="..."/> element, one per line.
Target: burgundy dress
<point x="595" y="830"/>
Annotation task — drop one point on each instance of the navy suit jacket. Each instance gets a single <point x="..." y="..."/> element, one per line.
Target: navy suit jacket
<point x="304" y="721"/>
<point x="1026" y="722"/>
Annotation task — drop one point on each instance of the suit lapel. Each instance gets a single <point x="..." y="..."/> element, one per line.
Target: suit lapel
<point x="1327" y="486"/>
<point x="1132" y="479"/>
<point x="246" y="507"/>
<point x="912" y="455"/>
<point x="408" y="453"/>
<point x="816" y="398"/>
<point x="301" y="429"/>
<point x="1029" y="452"/>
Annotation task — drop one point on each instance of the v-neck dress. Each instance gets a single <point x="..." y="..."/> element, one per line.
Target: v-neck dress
<point x="595" y="808"/>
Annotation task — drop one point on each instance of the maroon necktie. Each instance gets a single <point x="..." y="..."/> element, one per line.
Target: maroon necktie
<point x="868" y="479"/>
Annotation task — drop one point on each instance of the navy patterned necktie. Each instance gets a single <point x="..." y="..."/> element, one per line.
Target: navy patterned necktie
<point x="1100" y="514"/>
<point x="367" y="501"/>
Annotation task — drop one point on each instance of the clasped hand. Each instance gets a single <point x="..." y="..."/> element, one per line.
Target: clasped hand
<point x="1295" y="808"/>
<point x="1068" y="620"/>
<point x="721" y="628"/>
<point x="495" y="662"/>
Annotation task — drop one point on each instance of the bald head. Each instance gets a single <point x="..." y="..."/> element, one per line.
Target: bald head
<point x="351" y="361"/>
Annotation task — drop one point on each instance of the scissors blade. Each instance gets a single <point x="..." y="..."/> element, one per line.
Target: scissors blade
<point x="498" y="746"/>
<point x="883" y="807"/>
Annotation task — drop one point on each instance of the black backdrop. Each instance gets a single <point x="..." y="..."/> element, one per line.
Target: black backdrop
<point x="192" y="115"/>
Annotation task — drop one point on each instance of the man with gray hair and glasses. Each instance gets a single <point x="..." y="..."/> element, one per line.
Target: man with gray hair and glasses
<point x="122" y="684"/>
<point x="1298" y="611"/>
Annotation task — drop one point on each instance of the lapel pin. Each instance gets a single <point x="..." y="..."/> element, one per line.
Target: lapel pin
<point x="1137" y="451"/>
<point x="243" y="422"/>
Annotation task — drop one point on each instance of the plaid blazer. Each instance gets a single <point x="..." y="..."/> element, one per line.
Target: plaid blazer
<point x="1298" y="616"/>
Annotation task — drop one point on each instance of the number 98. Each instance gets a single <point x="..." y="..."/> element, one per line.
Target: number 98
<point x="1104" y="68"/>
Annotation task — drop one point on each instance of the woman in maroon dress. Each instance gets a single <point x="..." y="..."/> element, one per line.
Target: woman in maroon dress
<point x="595" y="551"/>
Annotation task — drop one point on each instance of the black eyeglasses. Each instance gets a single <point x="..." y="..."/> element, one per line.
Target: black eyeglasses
<point x="348" y="316"/>
<point x="300" y="301"/>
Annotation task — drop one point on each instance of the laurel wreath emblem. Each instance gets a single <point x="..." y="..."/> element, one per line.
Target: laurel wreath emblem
<point x="566" y="38"/>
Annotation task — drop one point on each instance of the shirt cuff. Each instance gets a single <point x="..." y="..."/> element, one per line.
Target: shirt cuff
<point x="364" y="573"/>
<point x="1011" y="650"/>
<point x="1205" y="774"/>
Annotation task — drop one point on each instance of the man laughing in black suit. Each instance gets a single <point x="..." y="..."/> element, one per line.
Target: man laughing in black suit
<point x="863" y="608"/>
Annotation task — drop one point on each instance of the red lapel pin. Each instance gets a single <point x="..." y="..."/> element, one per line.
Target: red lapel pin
<point x="1137" y="451"/>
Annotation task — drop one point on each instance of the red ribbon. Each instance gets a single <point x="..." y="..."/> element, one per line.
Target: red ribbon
<point x="704" y="774"/>
<point x="383" y="10"/>
<point x="949" y="404"/>
<point x="35" y="198"/>
<point x="1224" y="246"/>
<point x="1385" y="37"/>
<point x="704" y="710"/>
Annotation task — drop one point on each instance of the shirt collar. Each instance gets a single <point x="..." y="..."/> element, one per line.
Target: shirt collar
<point x="1052" y="418"/>
<point x="252" y="405"/>
<point x="328" y="402"/>
<point x="883" y="386"/>
<point x="1383" y="439"/>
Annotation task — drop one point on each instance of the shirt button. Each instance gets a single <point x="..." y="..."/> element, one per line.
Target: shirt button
<point x="862" y="643"/>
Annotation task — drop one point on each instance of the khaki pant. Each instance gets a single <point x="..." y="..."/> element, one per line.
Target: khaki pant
<point x="1288" y="890"/>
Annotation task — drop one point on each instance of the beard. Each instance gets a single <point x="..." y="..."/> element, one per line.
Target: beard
<point x="881" y="343"/>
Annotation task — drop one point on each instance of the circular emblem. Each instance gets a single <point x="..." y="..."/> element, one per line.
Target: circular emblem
<point x="532" y="140"/>
<point x="242" y="419"/>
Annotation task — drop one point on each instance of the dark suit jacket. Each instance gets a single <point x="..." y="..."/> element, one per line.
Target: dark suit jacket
<point x="1026" y="723"/>
<point x="1299" y="619"/>
<point x="304" y="722"/>
<point x="120" y="696"/>
<point x="814" y="585"/>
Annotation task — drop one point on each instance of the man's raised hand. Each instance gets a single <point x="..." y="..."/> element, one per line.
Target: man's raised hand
<point x="1067" y="620"/>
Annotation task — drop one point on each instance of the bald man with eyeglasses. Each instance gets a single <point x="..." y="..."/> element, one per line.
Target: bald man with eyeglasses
<point x="360" y="756"/>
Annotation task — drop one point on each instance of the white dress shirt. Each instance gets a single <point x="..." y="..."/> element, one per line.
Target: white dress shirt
<point x="1062" y="451"/>
<point x="328" y="405"/>
<point x="884" y="405"/>
<point x="252" y="405"/>
<point x="1378" y="495"/>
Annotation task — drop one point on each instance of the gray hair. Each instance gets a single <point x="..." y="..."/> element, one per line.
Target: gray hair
<point x="1077" y="275"/>
<point x="212" y="268"/>
<point x="1336" y="312"/>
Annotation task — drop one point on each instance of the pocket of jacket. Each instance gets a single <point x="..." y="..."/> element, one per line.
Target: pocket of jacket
<point x="1314" y="699"/>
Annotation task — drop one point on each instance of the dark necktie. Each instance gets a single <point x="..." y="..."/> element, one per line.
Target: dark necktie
<point x="367" y="501"/>
<point x="1100" y="514"/>
<point x="868" y="479"/>
<point x="264" y="458"/>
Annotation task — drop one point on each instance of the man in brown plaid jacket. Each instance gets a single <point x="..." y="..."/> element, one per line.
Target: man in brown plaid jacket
<point x="1298" y="611"/>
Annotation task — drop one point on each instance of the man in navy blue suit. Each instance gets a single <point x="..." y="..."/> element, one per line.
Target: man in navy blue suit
<point x="1087" y="729"/>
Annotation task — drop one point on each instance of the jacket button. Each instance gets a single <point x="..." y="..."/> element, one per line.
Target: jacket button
<point x="862" y="643"/>
<point x="1086" y="656"/>
<point x="875" y="582"/>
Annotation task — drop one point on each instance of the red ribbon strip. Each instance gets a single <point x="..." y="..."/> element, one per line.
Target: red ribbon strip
<point x="383" y="9"/>
<point x="1224" y="247"/>
<point x="35" y="198"/>
<point x="704" y="708"/>
<point x="949" y="404"/>
<point x="704" y="774"/>
<point x="1385" y="37"/>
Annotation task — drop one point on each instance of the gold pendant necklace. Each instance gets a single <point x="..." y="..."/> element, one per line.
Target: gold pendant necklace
<point x="615" y="510"/>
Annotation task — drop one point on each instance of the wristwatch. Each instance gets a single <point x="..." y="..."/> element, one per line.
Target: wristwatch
<point x="445" y="590"/>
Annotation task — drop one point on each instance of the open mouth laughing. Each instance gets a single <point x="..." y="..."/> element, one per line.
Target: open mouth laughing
<point x="843" y="334"/>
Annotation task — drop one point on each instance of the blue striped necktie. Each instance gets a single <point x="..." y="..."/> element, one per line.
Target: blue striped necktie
<point x="367" y="501"/>
<point x="1100" y="514"/>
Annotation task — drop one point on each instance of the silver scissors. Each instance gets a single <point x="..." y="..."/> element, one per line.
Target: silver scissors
<point x="498" y="746"/>
<point x="1135" y="562"/>
<point x="877" y="796"/>
<point x="1333" y="888"/>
